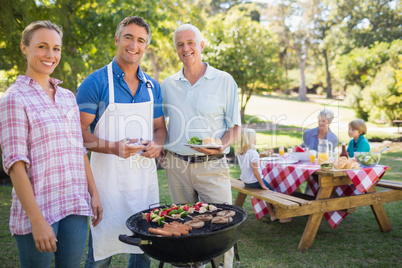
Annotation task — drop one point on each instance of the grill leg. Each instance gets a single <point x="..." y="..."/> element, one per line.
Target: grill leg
<point x="161" y="263"/>
<point x="215" y="262"/>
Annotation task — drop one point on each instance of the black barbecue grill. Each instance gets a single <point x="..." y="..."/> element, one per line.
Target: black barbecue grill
<point x="198" y="247"/>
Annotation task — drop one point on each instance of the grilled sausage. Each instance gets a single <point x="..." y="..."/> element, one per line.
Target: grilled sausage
<point x="159" y="231"/>
<point x="177" y="231"/>
<point x="181" y="225"/>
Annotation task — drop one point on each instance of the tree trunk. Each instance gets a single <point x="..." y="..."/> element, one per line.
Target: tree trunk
<point x="242" y="113"/>
<point x="302" y="85"/>
<point x="155" y="68"/>
<point x="329" y="87"/>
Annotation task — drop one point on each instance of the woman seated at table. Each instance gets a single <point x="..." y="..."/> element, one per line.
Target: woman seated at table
<point x="311" y="136"/>
<point x="249" y="162"/>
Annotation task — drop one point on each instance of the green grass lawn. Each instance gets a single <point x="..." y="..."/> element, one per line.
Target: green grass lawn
<point x="356" y="242"/>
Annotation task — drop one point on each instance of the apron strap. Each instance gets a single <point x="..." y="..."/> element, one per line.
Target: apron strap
<point x="149" y="88"/>
<point x="151" y="97"/>
<point x="111" y="84"/>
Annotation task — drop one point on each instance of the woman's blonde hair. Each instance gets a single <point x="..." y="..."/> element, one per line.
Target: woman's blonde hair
<point x="359" y="125"/>
<point x="36" y="25"/>
<point x="245" y="140"/>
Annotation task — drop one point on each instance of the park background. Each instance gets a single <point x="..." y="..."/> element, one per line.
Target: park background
<point x="289" y="58"/>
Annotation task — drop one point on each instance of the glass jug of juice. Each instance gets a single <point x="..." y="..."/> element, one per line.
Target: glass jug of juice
<point x="325" y="149"/>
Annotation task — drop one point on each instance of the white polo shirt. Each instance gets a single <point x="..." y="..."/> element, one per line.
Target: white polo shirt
<point x="206" y="109"/>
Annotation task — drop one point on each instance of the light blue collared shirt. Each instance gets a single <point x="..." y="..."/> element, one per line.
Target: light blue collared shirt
<point x="206" y="109"/>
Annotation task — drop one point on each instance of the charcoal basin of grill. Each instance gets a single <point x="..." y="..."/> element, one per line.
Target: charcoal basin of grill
<point x="198" y="247"/>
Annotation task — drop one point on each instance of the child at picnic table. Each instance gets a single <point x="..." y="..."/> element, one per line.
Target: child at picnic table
<point x="357" y="129"/>
<point x="249" y="159"/>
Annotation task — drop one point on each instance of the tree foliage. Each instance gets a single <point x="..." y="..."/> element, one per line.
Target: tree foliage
<point x="362" y="23"/>
<point x="247" y="51"/>
<point x="373" y="70"/>
<point x="88" y="26"/>
<point x="347" y="41"/>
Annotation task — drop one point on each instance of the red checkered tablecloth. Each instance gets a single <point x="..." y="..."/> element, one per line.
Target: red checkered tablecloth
<point x="260" y="208"/>
<point x="364" y="178"/>
<point x="283" y="179"/>
<point x="287" y="178"/>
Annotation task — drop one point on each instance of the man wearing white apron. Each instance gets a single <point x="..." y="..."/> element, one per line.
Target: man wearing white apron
<point x="122" y="107"/>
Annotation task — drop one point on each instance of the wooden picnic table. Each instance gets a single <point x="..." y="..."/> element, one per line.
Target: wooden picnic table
<point x="397" y="123"/>
<point x="299" y="204"/>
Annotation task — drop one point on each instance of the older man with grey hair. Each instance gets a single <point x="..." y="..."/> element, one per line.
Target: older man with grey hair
<point x="200" y="101"/>
<point x="311" y="136"/>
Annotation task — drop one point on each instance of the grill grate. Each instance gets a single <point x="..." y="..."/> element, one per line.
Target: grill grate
<point x="140" y="226"/>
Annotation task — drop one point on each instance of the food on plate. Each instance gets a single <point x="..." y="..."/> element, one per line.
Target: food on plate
<point x="299" y="149"/>
<point x="226" y="213"/>
<point x="348" y="165"/>
<point x="221" y="219"/>
<point x="327" y="165"/>
<point x="344" y="163"/>
<point x="267" y="152"/>
<point x="196" y="224"/>
<point x="132" y="142"/>
<point x="203" y="217"/>
<point x="195" y="141"/>
<point x="340" y="163"/>
<point x="355" y="165"/>
<point x="211" y="141"/>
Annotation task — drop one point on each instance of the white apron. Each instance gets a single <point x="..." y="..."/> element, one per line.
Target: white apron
<point x="125" y="186"/>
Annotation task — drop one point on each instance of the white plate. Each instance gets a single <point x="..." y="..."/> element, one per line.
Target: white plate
<point x="270" y="158"/>
<point x="291" y="161"/>
<point x="202" y="146"/>
<point x="284" y="161"/>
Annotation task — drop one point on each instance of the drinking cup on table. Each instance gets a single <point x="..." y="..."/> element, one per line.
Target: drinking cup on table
<point x="312" y="155"/>
<point x="290" y="150"/>
<point x="281" y="150"/>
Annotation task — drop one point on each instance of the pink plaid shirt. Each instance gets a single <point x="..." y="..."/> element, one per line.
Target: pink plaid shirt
<point x="47" y="136"/>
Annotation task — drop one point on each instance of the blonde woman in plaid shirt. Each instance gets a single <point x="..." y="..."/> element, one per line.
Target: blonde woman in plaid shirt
<point x="40" y="136"/>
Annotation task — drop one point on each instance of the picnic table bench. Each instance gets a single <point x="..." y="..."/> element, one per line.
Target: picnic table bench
<point x="299" y="204"/>
<point x="284" y="201"/>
